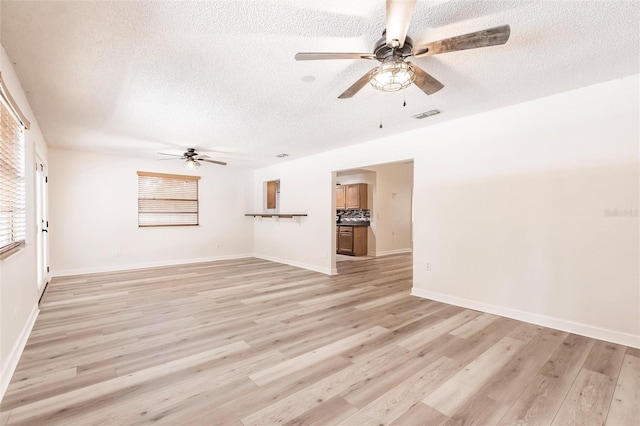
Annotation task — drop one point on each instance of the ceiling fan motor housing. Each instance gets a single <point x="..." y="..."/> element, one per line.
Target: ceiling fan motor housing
<point x="384" y="52"/>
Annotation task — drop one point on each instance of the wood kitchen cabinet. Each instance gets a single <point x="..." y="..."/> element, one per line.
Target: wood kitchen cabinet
<point x="340" y="197"/>
<point x="345" y="240"/>
<point x="353" y="196"/>
<point x="351" y="240"/>
<point x="360" y="240"/>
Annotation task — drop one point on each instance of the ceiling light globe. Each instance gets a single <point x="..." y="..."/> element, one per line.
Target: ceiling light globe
<point x="191" y="164"/>
<point x="392" y="76"/>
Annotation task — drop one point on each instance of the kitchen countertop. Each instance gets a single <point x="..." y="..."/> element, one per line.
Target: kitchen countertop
<point x="352" y="223"/>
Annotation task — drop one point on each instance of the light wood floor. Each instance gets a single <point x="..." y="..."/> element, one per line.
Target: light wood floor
<point x="255" y="342"/>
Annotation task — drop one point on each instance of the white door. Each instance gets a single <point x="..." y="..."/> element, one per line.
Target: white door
<point x="42" y="219"/>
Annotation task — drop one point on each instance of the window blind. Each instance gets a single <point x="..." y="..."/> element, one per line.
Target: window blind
<point x="167" y="200"/>
<point x="12" y="179"/>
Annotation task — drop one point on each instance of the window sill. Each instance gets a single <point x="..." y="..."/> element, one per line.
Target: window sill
<point x="11" y="252"/>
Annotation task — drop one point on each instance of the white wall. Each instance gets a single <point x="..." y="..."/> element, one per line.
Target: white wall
<point x="393" y="207"/>
<point x="368" y="177"/>
<point x="18" y="287"/>
<point x="94" y="222"/>
<point x="306" y="241"/>
<point x="509" y="209"/>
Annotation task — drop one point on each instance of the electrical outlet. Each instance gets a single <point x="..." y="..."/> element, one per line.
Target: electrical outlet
<point x="427" y="266"/>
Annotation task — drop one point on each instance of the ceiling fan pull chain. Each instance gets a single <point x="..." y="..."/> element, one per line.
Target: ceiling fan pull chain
<point x="404" y="98"/>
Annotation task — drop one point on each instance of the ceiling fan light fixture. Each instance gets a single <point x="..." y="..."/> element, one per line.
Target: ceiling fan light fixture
<point x="191" y="163"/>
<point x="392" y="76"/>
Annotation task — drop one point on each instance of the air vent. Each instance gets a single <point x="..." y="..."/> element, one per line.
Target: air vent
<point x="426" y="114"/>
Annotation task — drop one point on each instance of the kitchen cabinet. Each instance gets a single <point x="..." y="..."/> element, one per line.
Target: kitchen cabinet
<point x="351" y="240"/>
<point x="353" y="196"/>
<point x="340" y="197"/>
<point x="345" y="240"/>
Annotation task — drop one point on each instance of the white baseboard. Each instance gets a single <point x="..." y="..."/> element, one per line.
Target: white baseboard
<point x="315" y="268"/>
<point x="396" y="251"/>
<point x="10" y="364"/>
<point x="116" y="268"/>
<point x="582" y="329"/>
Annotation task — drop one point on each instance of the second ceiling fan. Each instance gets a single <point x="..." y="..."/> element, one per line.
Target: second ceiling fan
<point x="193" y="158"/>
<point x="395" y="72"/>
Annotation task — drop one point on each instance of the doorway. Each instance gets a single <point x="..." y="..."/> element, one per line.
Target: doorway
<point x="389" y="209"/>
<point x="42" y="225"/>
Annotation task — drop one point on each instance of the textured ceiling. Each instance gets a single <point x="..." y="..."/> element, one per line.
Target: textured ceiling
<point x="139" y="77"/>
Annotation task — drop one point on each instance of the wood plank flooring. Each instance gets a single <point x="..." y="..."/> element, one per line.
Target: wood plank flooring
<point x="251" y="342"/>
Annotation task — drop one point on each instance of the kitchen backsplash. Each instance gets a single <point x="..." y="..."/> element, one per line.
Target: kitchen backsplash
<point x="354" y="215"/>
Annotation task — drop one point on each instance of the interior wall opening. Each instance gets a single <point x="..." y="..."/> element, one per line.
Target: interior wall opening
<point x="373" y="208"/>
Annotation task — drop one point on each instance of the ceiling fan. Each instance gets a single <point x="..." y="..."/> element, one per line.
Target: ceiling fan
<point x="395" y="72"/>
<point x="192" y="158"/>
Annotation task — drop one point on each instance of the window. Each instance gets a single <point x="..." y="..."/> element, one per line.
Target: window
<point x="167" y="200"/>
<point x="12" y="173"/>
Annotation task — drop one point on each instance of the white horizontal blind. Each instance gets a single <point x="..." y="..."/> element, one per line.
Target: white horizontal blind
<point x="167" y="200"/>
<point x="12" y="181"/>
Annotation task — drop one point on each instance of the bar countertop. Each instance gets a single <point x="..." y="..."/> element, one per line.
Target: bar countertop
<point x="353" y="223"/>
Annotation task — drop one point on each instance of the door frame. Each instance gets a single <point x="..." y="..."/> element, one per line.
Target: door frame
<point x="43" y="274"/>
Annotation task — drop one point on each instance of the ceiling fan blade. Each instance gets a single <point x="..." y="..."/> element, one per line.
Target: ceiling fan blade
<point x="355" y="87"/>
<point x="484" y="38"/>
<point x="171" y="155"/>
<point x="425" y="81"/>
<point x="222" y="163"/>
<point x="399" y="14"/>
<point x="313" y="56"/>
<point x="165" y="159"/>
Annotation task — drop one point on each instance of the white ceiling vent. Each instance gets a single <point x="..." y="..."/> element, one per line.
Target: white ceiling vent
<point x="426" y="114"/>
